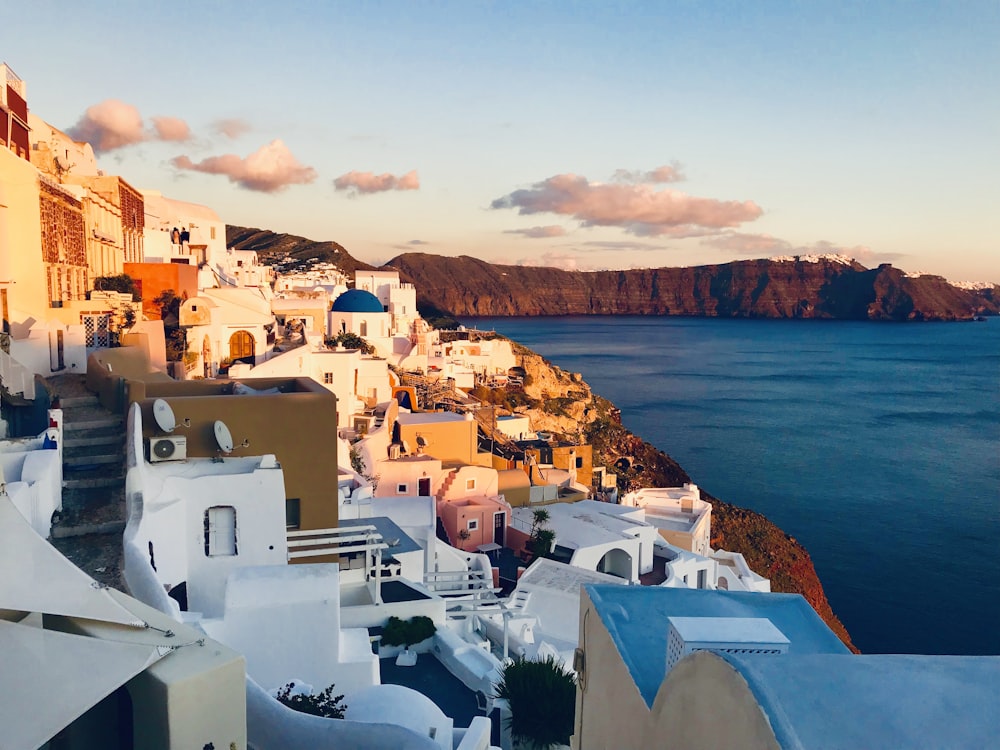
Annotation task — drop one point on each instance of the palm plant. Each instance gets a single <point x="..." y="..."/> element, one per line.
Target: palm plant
<point x="542" y="699"/>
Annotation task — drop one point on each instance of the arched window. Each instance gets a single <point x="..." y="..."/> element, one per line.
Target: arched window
<point x="220" y="531"/>
<point x="241" y="346"/>
<point x="363" y="326"/>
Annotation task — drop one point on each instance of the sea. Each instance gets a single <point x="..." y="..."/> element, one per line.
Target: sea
<point x="876" y="445"/>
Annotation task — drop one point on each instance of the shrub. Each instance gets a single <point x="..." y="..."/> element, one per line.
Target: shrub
<point x="322" y="704"/>
<point x="407" y="632"/>
<point x="542" y="698"/>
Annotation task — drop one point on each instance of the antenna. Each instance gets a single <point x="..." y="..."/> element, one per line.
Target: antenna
<point x="223" y="437"/>
<point x="163" y="415"/>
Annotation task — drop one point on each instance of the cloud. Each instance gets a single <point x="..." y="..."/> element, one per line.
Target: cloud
<point x="109" y="125"/>
<point x="171" y="129"/>
<point x="232" y="127"/>
<point x="369" y="182"/>
<point x="113" y="124"/>
<point x="535" y="233"/>
<point x="417" y="242"/>
<point x="637" y="208"/>
<point x="554" y="259"/>
<point x="598" y="246"/>
<point x="666" y="173"/>
<point x="269" y="169"/>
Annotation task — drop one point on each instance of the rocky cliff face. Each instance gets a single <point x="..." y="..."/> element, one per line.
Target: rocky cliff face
<point x="470" y="287"/>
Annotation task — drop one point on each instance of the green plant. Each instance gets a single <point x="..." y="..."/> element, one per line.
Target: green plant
<point x="357" y="461"/>
<point x="350" y="340"/>
<point x="321" y="704"/>
<point x="542" y="699"/>
<point x="399" y="632"/>
<point x="122" y="283"/>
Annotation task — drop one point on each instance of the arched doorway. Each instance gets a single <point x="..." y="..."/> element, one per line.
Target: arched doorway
<point x="241" y="347"/>
<point x="616" y="562"/>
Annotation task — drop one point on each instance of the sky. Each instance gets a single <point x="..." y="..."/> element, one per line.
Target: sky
<point x="587" y="135"/>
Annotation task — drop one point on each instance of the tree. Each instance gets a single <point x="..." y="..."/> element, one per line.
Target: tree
<point x="542" y="698"/>
<point x="541" y="539"/>
<point x="122" y="283"/>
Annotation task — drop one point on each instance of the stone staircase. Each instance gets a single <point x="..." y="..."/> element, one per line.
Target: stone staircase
<point x="93" y="467"/>
<point x="445" y="485"/>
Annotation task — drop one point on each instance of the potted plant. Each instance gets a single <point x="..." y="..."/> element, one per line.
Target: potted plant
<point x="407" y="633"/>
<point x="542" y="700"/>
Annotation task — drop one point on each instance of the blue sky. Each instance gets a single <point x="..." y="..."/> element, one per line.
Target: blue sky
<point x="587" y="135"/>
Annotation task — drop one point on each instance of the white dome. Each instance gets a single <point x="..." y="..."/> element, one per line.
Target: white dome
<point x="409" y="709"/>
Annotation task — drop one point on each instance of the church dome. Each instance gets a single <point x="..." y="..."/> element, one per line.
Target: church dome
<point x="357" y="301"/>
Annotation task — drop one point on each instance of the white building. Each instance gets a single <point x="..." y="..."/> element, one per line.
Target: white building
<point x="226" y="325"/>
<point x="681" y="516"/>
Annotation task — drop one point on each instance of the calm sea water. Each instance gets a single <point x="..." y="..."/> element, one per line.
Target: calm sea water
<point x="876" y="445"/>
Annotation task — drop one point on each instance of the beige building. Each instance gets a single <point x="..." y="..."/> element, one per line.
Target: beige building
<point x="636" y="688"/>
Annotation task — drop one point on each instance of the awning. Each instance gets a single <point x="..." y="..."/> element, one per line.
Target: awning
<point x="66" y="674"/>
<point x="37" y="578"/>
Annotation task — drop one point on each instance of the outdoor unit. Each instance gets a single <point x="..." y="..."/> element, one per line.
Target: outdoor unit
<point x="167" y="448"/>
<point x="733" y="635"/>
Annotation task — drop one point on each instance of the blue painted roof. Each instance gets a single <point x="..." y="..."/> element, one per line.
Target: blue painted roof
<point x="636" y="619"/>
<point x="838" y="702"/>
<point x="358" y="301"/>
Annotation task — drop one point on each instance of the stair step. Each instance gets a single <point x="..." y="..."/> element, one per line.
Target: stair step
<point x="89" y="482"/>
<point x="72" y="402"/>
<point x="81" y="463"/>
<point x="103" y="438"/>
<point x="77" y="426"/>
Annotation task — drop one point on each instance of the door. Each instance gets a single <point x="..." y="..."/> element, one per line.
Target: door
<point x="220" y="531"/>
<point x="499" y="528"/>
<point x="424" y="486"/>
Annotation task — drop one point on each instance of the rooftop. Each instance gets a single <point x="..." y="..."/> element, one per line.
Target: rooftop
<point x="636" y="619"/>
<point x="891" y="700"/>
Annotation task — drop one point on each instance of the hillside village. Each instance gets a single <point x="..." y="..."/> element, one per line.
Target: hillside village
<point x="222" y="482"/>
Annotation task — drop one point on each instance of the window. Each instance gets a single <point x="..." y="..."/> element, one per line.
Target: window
<point x="470" y="484"/>
<point x="472" y="524"/>
<point x="194" y="308"/>
<point x="328" y="378"/>
<point x="702" y="578"/>
<point x="402" y="489"/>
<point x="579" y="462"/>
<point x="293" y="513"/>
<point x="211" y="231"/>
<point x="220" y="531"/>
<point x="363" y="328"/>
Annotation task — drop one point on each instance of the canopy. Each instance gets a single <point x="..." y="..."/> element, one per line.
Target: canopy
<point x="37" y="578"/>
<point x="67" y="674"/>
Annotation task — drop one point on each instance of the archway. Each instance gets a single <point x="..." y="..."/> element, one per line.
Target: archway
<point x="616" y="562"/>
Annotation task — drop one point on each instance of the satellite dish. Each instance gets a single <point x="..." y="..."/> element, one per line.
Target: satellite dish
<point x="223" y="437"/>
<point x="163" y="415"/>
<point x="421" y="441"/>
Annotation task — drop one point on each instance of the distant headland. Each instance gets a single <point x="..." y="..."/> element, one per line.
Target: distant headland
<point x="793" y="287"/>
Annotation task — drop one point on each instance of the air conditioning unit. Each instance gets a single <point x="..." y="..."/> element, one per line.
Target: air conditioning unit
<point x="394" y="450"/>
<point x="167" y="448"/>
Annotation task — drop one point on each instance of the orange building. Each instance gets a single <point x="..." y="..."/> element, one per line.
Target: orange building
<point x="151" y="279"/>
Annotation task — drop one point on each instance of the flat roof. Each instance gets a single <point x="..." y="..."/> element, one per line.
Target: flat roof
<point x="842" y="702"/>
<point x="389" y="531"/>
<point x="428" y="417"/>
<point x="636" y="619"/>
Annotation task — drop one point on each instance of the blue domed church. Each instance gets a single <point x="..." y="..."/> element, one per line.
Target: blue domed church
<point x="360" y="312"/>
